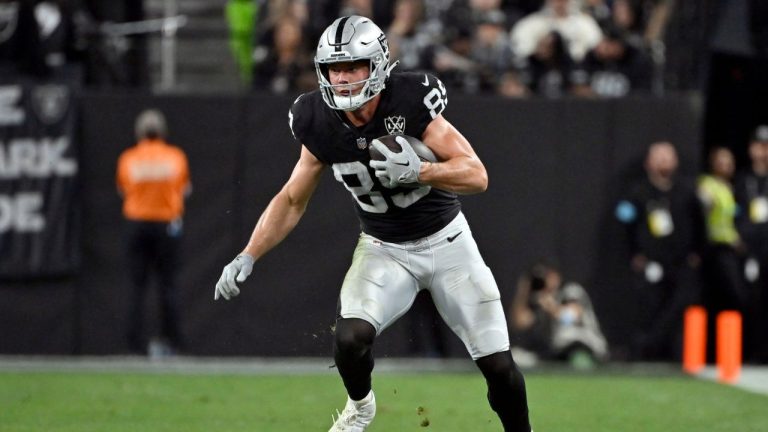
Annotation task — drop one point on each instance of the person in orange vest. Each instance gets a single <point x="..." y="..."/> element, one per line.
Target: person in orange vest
<point x="153" y="180"/>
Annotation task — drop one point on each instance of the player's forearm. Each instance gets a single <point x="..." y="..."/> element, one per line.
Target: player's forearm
<point x="277" y="221"/>
<point x="463" y="175"/>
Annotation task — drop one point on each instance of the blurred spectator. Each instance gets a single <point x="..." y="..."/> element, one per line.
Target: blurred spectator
<point x="617" y="68"/>
<point x="319" y="14"/>
<point x="554" y="319"/>
<point x="624" y="19"/>
<point x="724" y="287"/>
<point x="452" y="61"/>
<point x="153" y="179"/>
<point x="653" y="17"/>
<point x="437" y="13"/>
<point x="579" y="31"/>
<point x="242" y="16"/>
<point x="751" y="190"/>
<point x="525" y="7"/>
<point x="600" y="10"/>
<point x="61" y="41"/>
<point x="491" y="50"/>
<point x="40" y="38"/>
<point x="510" y="85"/>
<point x="357" y="7"/>
<point x="550" y="71"/>
<point x="408" y="36"/>
<point x="663" y="225"/>
<point x="20" y="40"/>
<point x="479" y="8"/>
<point x="286" y="66"/>
<point x="273" y="11"/>
<point x="643" y="21"/>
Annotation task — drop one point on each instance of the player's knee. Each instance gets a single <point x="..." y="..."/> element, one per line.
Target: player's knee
<point x="499" y="368"/>
<point x="354" y="335"/>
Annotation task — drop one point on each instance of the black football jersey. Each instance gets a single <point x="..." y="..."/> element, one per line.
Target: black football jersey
<point x="408" y="104"/>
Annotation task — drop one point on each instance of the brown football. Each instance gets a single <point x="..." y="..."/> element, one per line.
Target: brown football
<point x="421" y="149"/>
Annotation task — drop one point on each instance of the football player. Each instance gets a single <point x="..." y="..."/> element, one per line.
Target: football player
<point x="414" y="235"/>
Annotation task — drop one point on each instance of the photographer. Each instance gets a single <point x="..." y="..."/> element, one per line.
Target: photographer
<point x="555" y="320"/>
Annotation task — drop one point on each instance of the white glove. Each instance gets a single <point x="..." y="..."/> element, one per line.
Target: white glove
<point x="397" y="168"/>
<point x="238" y="270"/>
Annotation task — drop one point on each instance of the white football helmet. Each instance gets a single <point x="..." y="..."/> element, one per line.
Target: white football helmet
<point x="348" y="39"/>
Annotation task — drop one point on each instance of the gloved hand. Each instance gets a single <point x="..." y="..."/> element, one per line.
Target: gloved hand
<point x="397" y="168"/>
<point x="238" y="270"/>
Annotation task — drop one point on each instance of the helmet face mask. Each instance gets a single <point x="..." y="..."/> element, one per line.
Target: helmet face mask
<point x="351" y="39"/>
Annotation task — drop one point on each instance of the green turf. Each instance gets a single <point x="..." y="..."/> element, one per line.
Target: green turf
<point x="110" y="402"/>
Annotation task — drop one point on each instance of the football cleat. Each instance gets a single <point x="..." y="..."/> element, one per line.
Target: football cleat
<point x="356" y="416"/>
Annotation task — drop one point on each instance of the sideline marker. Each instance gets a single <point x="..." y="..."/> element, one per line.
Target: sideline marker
<point x="694" y="339"/>
<point x="729" y="346"/>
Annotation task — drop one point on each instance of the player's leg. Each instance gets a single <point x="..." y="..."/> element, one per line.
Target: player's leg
<point x="467" y="297"/>
<point x="167" y="263"/>
<point x="506" y="390"/>
<point x="479" y="321"/>
<point x="376" y="291"/>
<point x="353" y="355"/>
<point x="139" y="254"/>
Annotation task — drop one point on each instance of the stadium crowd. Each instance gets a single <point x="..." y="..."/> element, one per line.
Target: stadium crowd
<point x="514" y="48"/>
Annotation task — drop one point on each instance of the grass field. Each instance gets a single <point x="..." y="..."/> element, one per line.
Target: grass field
<point x="560" y="402"/>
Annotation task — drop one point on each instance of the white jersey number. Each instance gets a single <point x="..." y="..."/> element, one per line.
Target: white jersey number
<point x="436" y="100"/>
<point x="358" y="181"/>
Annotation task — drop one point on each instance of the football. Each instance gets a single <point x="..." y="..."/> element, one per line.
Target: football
<point x="421" y="149"/>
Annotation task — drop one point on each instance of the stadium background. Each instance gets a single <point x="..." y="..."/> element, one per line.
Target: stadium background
<point x="555" y="166"/>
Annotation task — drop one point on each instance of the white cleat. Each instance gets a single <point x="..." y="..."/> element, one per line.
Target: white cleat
<point x="357" y="415"/>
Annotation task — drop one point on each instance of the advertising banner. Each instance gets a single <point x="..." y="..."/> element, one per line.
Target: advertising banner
<point x="38" y="174"/>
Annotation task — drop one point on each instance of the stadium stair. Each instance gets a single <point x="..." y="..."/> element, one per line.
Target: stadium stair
<point x="204" y="63"/>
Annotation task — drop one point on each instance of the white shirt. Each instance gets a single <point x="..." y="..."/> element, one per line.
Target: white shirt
<point x="580" y="33"/>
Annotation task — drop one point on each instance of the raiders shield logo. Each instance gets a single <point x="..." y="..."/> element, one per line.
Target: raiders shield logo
<point x="50" y="102"/>
<point x="395" y="125"/>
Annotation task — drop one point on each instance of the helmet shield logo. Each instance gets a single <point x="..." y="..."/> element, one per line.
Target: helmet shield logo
<point x="384" y="45"/>
<point x="50" y="102"/>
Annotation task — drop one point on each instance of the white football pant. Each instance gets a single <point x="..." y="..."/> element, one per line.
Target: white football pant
<point x="384" y="278"/>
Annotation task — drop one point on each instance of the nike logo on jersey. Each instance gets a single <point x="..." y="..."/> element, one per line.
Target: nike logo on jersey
<point x="426" y="81"/>
<point x="452" y="238"/>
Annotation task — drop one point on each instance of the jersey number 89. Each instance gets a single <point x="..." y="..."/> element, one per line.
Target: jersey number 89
<point x="358" y="181"/>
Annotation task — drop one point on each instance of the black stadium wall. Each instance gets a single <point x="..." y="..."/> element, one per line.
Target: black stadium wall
<point x="555" y="167"/>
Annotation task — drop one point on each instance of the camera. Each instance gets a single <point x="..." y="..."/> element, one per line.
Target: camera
<point x="538" y="277"/>
<point x="537" y="283"/>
